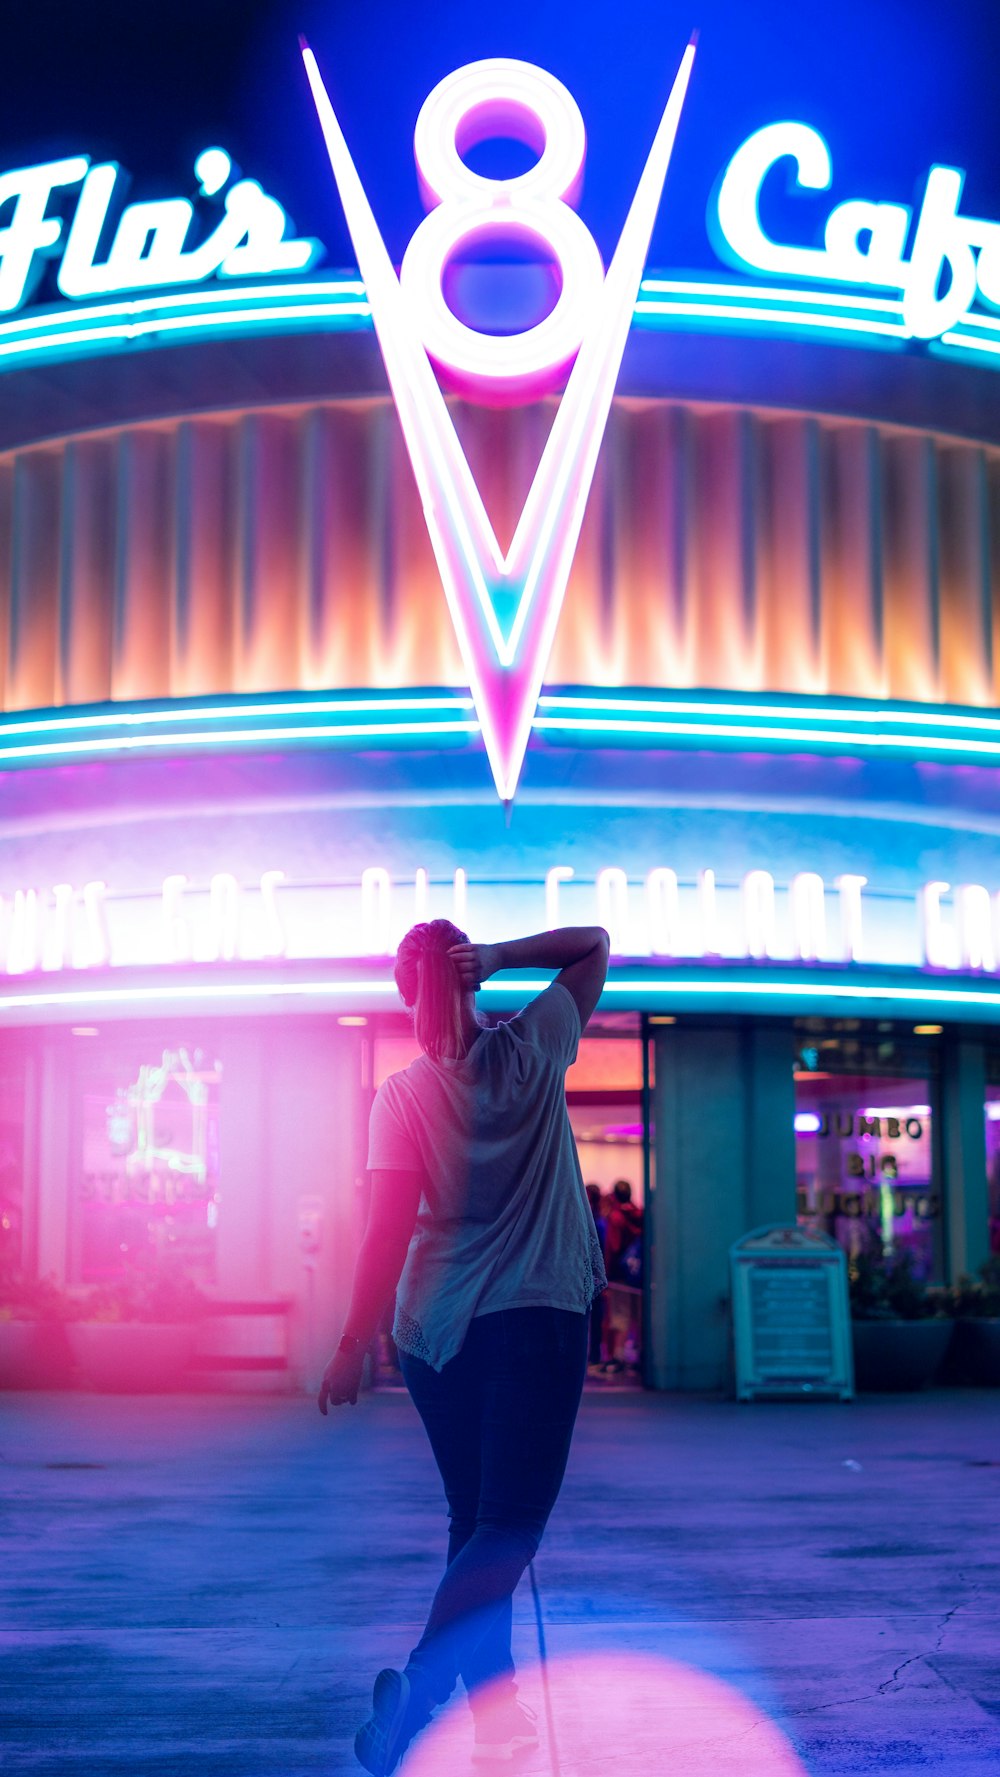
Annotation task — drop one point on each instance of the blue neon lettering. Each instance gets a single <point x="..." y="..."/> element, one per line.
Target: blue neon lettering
<point x="30" y="234"/>
<point x="939" y="281"/>
<point x="253" y="236"/>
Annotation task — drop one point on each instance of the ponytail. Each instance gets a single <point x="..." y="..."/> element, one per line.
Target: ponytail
<point x="429" y="984"/>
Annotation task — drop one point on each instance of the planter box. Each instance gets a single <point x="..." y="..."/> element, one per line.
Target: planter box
<point x="35" y="1354"/>
<point x="976" y="1352"/>
<point x="132" y="1357"/>
<point x="895" y="1355"/>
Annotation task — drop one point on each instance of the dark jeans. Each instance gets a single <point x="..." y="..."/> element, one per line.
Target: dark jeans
<point x="500" y="1419"/>
<point x="596" y="1329"/>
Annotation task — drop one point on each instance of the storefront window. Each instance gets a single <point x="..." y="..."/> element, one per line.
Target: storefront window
<point x="12" y="1086"/>
<point x="993" y="1145"/>
<point x="866" y="1170"/>
<point x="147" y="1183"/>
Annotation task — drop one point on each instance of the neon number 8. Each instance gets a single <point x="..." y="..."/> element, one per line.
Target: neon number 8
<point x="524" y="103"/>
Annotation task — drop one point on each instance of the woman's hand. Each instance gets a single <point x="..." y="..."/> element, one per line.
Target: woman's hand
<point x="475" y="963"/>
<point x="341" y="1379"/>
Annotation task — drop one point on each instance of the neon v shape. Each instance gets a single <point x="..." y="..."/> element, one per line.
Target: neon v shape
<point x="504" y="656"/>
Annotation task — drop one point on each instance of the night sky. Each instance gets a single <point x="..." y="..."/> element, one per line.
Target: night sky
<point x="893" y="85"/>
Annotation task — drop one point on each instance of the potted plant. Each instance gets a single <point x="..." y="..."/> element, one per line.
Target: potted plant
<point x="976" y="1303"/>
<point x="34" y="1349"/>
<point x="137" y="1336"/>
<point x="901" y="1326"/>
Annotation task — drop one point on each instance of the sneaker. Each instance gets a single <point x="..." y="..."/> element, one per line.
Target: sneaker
<point x="397" y="1715"/>
<point x="503" y="1732"/>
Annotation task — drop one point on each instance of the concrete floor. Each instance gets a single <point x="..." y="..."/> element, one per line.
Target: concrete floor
<point x="205" y="1586"/>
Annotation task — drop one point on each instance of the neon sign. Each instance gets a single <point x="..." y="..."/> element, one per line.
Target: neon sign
<point x="806" y="921"/>
<point x="963" y="251"/>
<point x="152" y="246"/>
<point x="504" y="607"/>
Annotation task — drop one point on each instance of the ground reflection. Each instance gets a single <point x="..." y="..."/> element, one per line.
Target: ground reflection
<point x="637" y="1714"/>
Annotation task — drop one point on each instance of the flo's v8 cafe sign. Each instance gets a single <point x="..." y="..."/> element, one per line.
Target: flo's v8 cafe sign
<point x="504" y="604"/>
<point x="941" y="261"/>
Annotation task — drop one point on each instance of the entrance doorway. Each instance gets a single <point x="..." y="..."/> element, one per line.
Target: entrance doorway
<point x="605" y="1098"/>
<point x="604" y="1093"/>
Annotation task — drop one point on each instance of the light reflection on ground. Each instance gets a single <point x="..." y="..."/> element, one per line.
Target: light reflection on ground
<point x="637" y="1714"/>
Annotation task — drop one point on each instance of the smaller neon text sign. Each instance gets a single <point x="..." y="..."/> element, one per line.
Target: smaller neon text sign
<point x="153" y="245"/>
<point x="953" y="258"/>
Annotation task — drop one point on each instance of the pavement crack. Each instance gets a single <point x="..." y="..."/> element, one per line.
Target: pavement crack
<point x="887" y="1683"/>
<point x="290" y="1669"/>
<point x="929" y="1652"/>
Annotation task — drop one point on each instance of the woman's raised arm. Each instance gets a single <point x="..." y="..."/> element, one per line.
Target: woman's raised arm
<point x="579" y="953"/>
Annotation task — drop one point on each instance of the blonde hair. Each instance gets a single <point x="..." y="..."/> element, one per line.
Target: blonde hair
<point x="429" y="984"/>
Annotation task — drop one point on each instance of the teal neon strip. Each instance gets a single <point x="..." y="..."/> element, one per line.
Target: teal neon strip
<point x="991" y="324"/>
<point x="340" y="303"/>
<point x="366" y="720"/>
<point x="784" y="317"/>
<point x="650" y="288"/>
<point x="363" y="733"/>
<point x="917" y="743"/>
<point x="196" y="323"/>
<point x="922" y="994"/>
<point x="226" y="297"/>
<point x="230" y="712"/>
<point x="774" y="710"/>
<point x="809" y="737"/>
<point x="601" y="719"/>
<point x="966" y="343"/>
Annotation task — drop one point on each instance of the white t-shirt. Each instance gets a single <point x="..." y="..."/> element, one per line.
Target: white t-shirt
<point x="504" y="1220"/>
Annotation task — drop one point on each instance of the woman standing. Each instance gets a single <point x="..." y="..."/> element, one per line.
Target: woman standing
<point x="479" y="1216"/>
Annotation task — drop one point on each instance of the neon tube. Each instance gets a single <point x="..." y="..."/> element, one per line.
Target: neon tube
<point x="966" y="343"/>
<point x="364" y="731"/>
<point x="920" y="994"/>
<point x="140" y="305"/>
<point x="731" y="731"/>
<point x="189" y="323"/>
<point x="787" y="317"/>
<point x="779" y="712"/>
<point x="233" y="712"/>
<point x="768" y="293"/>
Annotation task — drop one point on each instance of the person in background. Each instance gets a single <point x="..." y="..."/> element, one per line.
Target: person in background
<point x="623" y="1257"/>
<point x="597" y="1306"/>
<point x="478" y="1214"/>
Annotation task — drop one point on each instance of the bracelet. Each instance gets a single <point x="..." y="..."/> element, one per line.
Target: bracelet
<point x="349" y="1343"/>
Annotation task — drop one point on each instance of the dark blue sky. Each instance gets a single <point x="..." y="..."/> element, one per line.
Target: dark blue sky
<point x="893" y="84"/>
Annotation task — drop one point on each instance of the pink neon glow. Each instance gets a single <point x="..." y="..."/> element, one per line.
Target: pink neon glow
<point x="514" y="99"/>
<point x="659" y="1714"/>
<point x="505" y="662"/>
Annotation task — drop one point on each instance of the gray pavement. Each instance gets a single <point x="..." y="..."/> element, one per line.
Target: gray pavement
<point x="204" y="1586"/>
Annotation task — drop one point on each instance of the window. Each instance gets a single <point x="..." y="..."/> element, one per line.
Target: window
<point x="866" y="1168"/>
<point x="147" y="1173"/>
<point x="993" y="1145"/>
<point x="12" y="1092"/>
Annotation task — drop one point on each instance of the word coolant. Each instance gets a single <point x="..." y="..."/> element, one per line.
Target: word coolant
<point x="703" y="917"/>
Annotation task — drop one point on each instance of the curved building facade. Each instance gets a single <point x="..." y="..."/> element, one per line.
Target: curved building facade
<point x="241" y="754"/>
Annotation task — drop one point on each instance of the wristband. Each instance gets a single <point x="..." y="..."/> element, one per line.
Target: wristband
<point x="350" y="1344"/>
